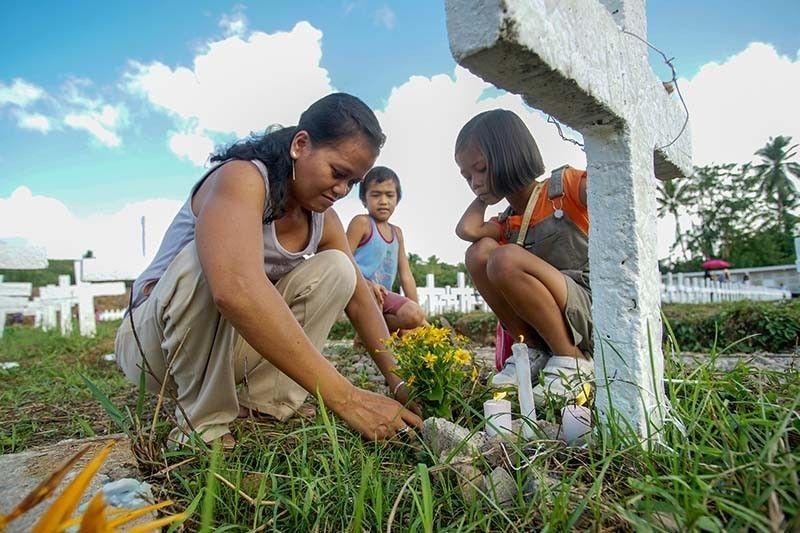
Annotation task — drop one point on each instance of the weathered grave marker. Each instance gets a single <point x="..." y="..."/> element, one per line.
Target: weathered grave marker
<point x="22" y="257"/>
<point x="572" y="59"/>
<point x="14" y="297"/>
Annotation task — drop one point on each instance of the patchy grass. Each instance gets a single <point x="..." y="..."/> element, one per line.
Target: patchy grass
<point x="734" y="466"/>
<point x="45" y="399"/>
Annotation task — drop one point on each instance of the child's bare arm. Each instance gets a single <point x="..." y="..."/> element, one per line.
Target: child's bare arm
<point x="356" y="230"/>
<point x="472" y="226"/>
<point x="404" y="269"/>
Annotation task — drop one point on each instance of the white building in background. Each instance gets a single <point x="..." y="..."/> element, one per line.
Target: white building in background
<point x="785" y="277"/>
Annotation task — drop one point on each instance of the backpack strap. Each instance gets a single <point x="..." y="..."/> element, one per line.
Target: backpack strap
<point x="526" y="217"/>
<point x="556" y="187"/>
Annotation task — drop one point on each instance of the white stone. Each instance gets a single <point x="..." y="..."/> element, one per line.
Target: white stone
<point x="570" y="59"/>
<point x="22" y="257"/>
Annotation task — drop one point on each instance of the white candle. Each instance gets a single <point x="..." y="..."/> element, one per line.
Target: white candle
<point x="524" y="388"/>
<point x="498" y="416"/>
<point x="576" y="421"/>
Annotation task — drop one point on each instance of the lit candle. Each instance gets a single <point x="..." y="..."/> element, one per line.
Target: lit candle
<point x="498" y="416"/>
<point x="524" y="387"/>
<point x="576" y="421"/>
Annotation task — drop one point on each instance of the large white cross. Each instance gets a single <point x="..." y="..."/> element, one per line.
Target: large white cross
<point x="571" y="59"/>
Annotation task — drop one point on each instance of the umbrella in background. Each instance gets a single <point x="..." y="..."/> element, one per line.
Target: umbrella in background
<point x="715" y="264"/>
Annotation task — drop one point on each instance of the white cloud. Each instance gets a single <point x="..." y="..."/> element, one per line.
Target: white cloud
<point x="234" y="23"/>
<point x="20" y="93"/>
<point x="737" y="105"/>
<point x="385" y="17"/>
<point x="100" y="121"/>
<point x="115" y="236"/>
<point x="239" y="85"/>
<point x="421" y="120"/>
<point x="34" y="121"/>
<point x="193" y="146"/>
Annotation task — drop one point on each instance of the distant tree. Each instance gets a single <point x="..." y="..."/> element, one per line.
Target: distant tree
<point x="88" y="254"/>
<point x="673" y="196"/>
<point x="777" y="170"/>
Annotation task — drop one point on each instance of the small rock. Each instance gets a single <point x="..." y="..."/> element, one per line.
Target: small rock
<point x="109" y="357"/>
<point x="542" y="429"/>
<point x="443" y="436"/>
<point x="128" y="493"/>
<point x="8" y="366"/>
<point x="537" y="480"/>
<point x="500" y="486"/>
<point x="470" y="480"/>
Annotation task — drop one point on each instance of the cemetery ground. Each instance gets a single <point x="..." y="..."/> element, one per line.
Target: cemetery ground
<point x="731" y="463"/>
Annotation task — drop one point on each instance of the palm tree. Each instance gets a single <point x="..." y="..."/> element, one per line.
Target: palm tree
<point x="777" y="171"/>
<point x="673" y="199"/>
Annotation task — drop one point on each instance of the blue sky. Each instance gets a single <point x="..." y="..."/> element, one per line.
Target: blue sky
<point x="82" y="57"/>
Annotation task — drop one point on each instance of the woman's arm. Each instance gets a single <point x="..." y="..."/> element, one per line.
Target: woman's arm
<point x="404" y="269"/>
<point x="230" y="247"/>
<point x="362" y="311"/>
<point x="472" y="226"/>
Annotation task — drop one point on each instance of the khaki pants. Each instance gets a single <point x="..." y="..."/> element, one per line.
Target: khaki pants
<point x="180" y="321"/>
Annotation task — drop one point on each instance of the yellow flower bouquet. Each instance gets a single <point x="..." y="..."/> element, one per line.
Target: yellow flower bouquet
<point x="435" y="365"/>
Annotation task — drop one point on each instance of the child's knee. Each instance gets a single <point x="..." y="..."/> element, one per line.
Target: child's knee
<point x="411" y="315"/>
<point x="502" y="267"/>
<point x="478" y="254"/>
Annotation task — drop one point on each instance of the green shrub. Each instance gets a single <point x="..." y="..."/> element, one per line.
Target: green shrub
<point x="751" y="326"/>
<point x="744" y="326"/>
<point x="477" y="326"/>
<point x="44" y="276"/>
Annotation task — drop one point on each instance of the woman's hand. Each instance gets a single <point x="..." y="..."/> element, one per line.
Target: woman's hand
<point x="401" y="394"/>
<point x="375" y="416"/>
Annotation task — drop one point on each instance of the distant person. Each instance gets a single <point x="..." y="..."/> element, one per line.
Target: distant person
<point x="726" y="276"/>
<point x="746" y="278"/>
<point x="531" y="262"/>
<point x="235" y="308"/>
<point x="707" y="275"/>
<point x="380" y="252"/>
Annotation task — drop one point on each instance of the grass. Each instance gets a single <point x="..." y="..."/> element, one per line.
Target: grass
<point x="734" y="467"/>
<point x="45" y="399"/>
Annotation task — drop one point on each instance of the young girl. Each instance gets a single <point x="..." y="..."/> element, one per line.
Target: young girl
<point x="380" y="252"/>
<point x="234" y="310"/>
<point x="530" y="263"/>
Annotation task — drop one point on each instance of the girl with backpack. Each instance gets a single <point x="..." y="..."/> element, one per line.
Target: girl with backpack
<point x="531" y="262"/>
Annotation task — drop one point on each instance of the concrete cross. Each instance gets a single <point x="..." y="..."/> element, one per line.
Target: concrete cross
<point x="22" y="257"/>
<point x="572" y="59"/>
<point x="64" y="296"/>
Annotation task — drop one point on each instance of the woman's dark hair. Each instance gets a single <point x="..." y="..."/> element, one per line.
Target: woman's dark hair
<point x="379" y="175"/>
<point x="328" y="121"/>
<point x="512" y="157"/>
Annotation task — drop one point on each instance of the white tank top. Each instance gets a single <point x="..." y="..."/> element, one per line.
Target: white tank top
<point x="277" y="260"/>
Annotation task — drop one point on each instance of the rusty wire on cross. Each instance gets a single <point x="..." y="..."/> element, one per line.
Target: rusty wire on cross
<point x="674" y="82"/>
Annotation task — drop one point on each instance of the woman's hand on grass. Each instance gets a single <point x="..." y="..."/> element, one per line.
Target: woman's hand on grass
<point x="375" y="416"/>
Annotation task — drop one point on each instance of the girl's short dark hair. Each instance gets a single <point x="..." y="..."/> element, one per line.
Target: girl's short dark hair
<point x="328" y="121"/>
<point x="378" y="175"/>
<point x="512" y="157"/>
